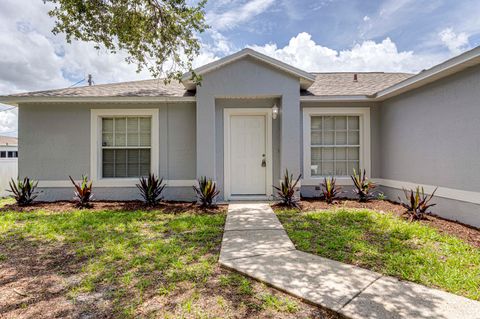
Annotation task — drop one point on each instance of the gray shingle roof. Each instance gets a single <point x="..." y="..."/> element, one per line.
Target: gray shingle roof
<point x="368" y="83"/>
<point x="144" y="88"/>
<point x="326" y="84"/>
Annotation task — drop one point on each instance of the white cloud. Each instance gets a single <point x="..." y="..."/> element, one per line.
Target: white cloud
<point x="8" y="120"/>
<point x="240" y="14"/>
<point x="366" y="18"/>
<point x="456" y="43"/>
<point x="304" y="53"/>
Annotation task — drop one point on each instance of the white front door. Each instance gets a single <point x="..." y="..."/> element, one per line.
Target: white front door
<point x="248" y="155"/>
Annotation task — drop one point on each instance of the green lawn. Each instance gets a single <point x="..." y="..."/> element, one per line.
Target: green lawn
<point x="128" y="264"/>
<point x="387" y="244"/>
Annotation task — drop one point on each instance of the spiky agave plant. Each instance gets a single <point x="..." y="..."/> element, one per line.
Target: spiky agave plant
<point x="24" y="191"/>
<point x="83" y="192"/>
<point x="363" y="186"/>
<point x="417" y="203"/>
<point x="287" y="189"/>
<point x="330" y="190"/>
<point x="151" y="189"/>
<point x="206" y="192"/>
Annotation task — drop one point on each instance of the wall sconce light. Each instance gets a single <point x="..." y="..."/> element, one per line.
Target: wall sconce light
<point x="274" y="111"/>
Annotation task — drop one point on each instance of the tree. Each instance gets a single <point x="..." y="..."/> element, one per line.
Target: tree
<point x="158" y="35"/>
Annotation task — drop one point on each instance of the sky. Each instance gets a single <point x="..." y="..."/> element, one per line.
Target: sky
<point x="317" y="36"/>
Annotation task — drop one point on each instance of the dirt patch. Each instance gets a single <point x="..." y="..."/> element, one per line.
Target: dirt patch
<point x="468" y="233"/>
<point x="166" y="206"/>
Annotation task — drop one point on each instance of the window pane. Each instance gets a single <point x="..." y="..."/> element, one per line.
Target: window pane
<point x="328" y="138"/>
<point x="340" y="138"/>
<point x="107" y="139"/>
<point x="316" y="161"/>
<point x="353" y="123"/>
<point x="108" y="156"/>
<point x="107" y="125"/>
<point x="3" y="154"/>
<point x="132" y="139"/>
<point x="108" y="170"/>
<point x="316" y="122"/>
<point x="132" y="124"/>
<point x="327" y="168"/>
<point x="341" y="168"/>
<point x="145" y="157"/>
<point x="145" y="139"/>
<point x="10" y="154"/>
<point x="353" y="165"/>
<point x="340" y="123"/>
<point x="353" y="138"/>
<point x="353" y="153"/>
<point x="316" y="138"/>
<point x="120" y="125"/>
<point x="120" y="139"/>
<point x="341" y="153"/>
<point x="327" y="153"/>
<point x="329" y="123"/>
<point x="145" y="124"/>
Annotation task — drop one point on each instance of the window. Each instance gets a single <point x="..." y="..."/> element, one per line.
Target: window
<point x="3" y="154"/>
<point x="336" y="141"/>
<point x="335" y="145"/>
<point x="126" y="143"/>
<point x="124" y="146"/>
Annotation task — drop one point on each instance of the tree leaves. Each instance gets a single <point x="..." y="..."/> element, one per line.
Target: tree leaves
<point x="157" y="35"/>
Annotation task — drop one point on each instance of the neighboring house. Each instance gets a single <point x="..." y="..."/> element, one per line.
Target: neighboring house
<point x="403" y="129"/>
<point x="8" y="162"/>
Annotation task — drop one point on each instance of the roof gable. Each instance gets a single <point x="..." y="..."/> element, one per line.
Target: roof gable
<point x="306" y="79"/>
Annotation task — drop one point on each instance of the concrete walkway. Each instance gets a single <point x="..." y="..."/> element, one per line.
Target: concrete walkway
<point x="255" y="244"/>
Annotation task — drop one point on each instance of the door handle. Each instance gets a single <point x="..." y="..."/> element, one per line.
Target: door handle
<point x="264" y="163"/>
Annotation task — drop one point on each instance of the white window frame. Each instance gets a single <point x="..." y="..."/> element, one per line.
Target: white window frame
<point x="96" y="116"/>
<point x="364" y="121"/>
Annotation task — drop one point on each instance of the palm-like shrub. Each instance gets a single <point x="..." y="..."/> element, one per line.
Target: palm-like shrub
<point x="24" y="191"/>
<point x="83" y="192"/>
<point x="330" y="190"/>
<point x="206" y="192"/>
<point x="151" y="189"/>
<point x="417" y="203"/>
<point x="286" y="191"/>
<point x="363" y="186"/>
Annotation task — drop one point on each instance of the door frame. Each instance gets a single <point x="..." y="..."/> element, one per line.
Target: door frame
<point x="227" y="114"/>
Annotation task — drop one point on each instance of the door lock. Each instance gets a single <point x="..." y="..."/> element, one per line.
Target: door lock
<point x="264" y="163"/>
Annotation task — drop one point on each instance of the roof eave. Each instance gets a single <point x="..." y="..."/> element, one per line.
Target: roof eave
<point x="15" y="100"/>
<point x="442" y="70"/>
<point x="337" y="98"/>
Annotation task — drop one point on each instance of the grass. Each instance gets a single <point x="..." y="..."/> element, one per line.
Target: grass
<point x="387" y="244"/>
<point x="138" y="259"/>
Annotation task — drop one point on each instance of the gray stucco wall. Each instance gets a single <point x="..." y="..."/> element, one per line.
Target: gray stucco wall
<point x="431" y="136"/>
<point x="55" y="142"/>
<point x="247" y="78"/>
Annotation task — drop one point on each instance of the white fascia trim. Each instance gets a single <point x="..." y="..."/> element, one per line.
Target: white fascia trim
<point x="96" y="139"/>
<point x="444" y="192"/>
<point x="126" y="182"/>
<point x="337" y="98"/>
<point x="439" y="71"/>
<point x="12" y="100"/>
<point x="306" y="79"/>
<point x="365" y="153"/>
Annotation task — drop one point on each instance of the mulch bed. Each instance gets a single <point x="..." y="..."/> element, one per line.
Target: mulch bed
<point x="467" y="233"/>
<point x="166" y="206"/>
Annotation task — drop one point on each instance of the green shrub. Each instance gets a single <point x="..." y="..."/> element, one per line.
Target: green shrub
<point x="151" y="189"/>
<point x="23" y="191"/>
<point x="417" y="203"/>
<point x="83" y="192"/>
<point x="286" y="191"/>
<point x="363" y="186"/>
<point x="330" y="190"/>
<point x="206" y="192"/>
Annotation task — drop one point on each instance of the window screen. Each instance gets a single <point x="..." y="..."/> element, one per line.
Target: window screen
<point x="126" y="146"/>
<point x="335" y="145"/>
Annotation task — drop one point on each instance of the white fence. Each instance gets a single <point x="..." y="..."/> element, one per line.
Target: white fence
<point x="8" y="170"/>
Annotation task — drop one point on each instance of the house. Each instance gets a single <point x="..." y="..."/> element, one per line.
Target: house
<point x="252" y="118"/>
<point x="8" y="162"/>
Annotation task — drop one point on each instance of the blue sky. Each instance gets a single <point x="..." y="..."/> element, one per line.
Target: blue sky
<point x="322" y="35"/>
